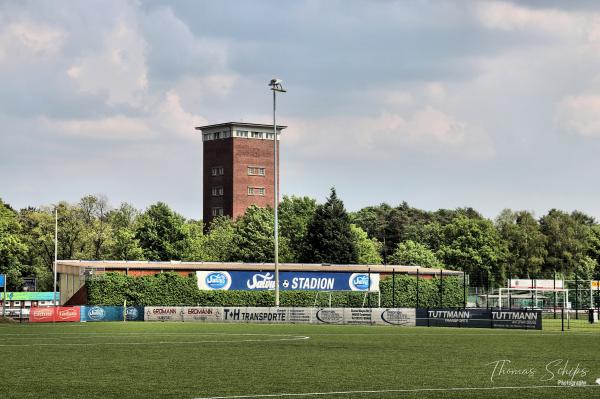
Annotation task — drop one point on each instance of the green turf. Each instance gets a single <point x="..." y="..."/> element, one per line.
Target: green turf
<point x="196" y="360"/>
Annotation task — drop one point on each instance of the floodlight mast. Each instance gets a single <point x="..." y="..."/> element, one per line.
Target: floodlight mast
<point x="55" y="257"/>
<point x="276" y="86"/>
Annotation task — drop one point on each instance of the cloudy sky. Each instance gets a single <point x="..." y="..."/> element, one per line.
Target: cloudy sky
<point x="438" y="103"/>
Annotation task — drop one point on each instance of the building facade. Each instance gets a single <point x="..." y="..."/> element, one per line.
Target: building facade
<point x="238" y="168"/>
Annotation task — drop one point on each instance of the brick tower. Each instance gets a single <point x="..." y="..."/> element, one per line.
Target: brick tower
<point x="238" y="167"/>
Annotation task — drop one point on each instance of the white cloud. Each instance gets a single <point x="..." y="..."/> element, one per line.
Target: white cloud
<point x="117" y="127"/>
<point x="23" y="39"/>
<point x="166" y="118"/>
<point x="513" y="17"/>
<point x="118" y="69"/>
<point x="427" y="130"/>
<point x="579" y="115"/>
<point x="172" y="118"/>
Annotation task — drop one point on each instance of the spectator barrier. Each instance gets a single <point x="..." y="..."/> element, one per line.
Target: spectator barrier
<point x="437" y="317"/>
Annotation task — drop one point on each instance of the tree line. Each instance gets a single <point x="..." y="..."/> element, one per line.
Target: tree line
<point x="515" y="244"/>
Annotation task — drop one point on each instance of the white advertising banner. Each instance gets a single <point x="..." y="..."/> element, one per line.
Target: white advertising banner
<point x="357" y="316"/>
<point x="199" y="313"/>
<point x="255" y="315"/>
<point x="527" y="283"/>
<point x="397" y="316"/>
<point x="163" y="313"/>
<point x="233" y="314"/>
<point x="329" y="316"/>
<point x="302" y="315"/>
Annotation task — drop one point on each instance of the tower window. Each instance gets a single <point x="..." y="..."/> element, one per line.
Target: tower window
<point x="270" y="136"/>
<point x="217" y="191"/>
<point x="257" y="135"/>
<point x="217" y="211"/>
<point x="217" y="171"/>
<point x="256" y="191"/>
<point x="256" y="171"/>
<point x="242" y="133"/>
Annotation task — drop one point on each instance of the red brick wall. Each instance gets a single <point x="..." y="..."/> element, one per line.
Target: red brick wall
<point x="217" y="153"/>
<point x="252" y="152"/>
<point x="235" y="155"/>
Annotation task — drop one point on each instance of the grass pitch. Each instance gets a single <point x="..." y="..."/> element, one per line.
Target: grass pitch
<point x="197" y="360"/>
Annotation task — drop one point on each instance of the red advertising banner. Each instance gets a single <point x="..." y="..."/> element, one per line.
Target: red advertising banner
<point x="49" y="314"/>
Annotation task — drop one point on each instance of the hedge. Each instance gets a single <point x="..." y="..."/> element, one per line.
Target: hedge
<point x="171" y="289"/>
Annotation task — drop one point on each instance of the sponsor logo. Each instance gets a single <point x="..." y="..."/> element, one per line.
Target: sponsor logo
<point x="515" y="315"/>
<point x="131" y="313"/>
<point x="218" y="281"/>
<point x="261" y="282"/>
<point x="67" y="313"/>
<point x="329" y="316"/>
<point x="397" y="317"/>
<point x="164" y="311"/>
<point x="359" y="282"/>
<point x="311" y="283"/>
<point x="42" y="312"/>
<point x="96" y="313"/>
<point x="200" y="311"/>
<point x="238" y="314"/>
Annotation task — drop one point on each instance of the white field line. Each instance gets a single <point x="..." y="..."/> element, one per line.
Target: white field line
<point x="379" y="391"/>
<point x="291" y="338"/>
<point x="111" y="334"/>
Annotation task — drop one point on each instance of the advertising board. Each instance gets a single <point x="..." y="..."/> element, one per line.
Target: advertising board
<point x="480" y="318"/>
<point x="51" y="314"/>
<point x="111" y="313"/>
<point x="517" y="319"/>
<point x="311" y="281"/>
<point x="163" y="313"/>
<point x="200" y="313"/>
<point x="394" y="316"/>
<point x="528" y="283"/>
<point x="449" y="317"/>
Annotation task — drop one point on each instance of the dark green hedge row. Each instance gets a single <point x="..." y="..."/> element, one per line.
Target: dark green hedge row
<point x="171" y="289"/>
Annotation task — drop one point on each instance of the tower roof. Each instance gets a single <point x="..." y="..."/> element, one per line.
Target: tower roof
<point x="240" y="124"/>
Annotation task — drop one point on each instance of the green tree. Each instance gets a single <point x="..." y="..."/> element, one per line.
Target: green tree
<point x="295" y="213"/>
<point x="94" y="211"/>
<point x="218" y="242"/>
<point x="368" y="248"/>
<point x="12" y="248"/>
<point x="193" y="245"/>
<point x="38" y="234"/>
<point x="389" y="225"/>
<point x="253" y="240"/>
<point x="71" y="232"/>
<point x="160" y="233"/>
<point x="123" y="244"/>
<point x="475" y="247"/>
<point x="412" y="253"/>
<point x="329" y="238"/>
<point x="567" y="241"/>
<point x="526" y="244"/>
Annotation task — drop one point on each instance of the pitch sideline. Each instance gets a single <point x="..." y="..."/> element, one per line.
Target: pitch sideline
<point x="413" y="390"/>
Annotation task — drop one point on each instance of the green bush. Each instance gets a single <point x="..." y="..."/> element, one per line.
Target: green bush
<point x="171" y="289"/>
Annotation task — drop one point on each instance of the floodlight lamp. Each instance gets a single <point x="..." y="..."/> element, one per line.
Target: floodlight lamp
<point x="276" y="85"/>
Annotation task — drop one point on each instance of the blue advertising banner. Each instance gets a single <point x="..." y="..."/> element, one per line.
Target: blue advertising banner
<point x="111" y="313"/>
<point x="312" y="281"/>
<point x="2" y="280"/>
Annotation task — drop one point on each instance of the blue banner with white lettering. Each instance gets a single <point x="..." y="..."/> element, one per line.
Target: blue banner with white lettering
<point x="300" y="281"/>
<point x="2" y="280"/>
<point x="111" y="313"/>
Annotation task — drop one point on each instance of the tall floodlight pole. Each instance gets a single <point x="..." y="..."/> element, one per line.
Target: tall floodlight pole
<point x="276" y="87"/>
<point x="55" y="252"/>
